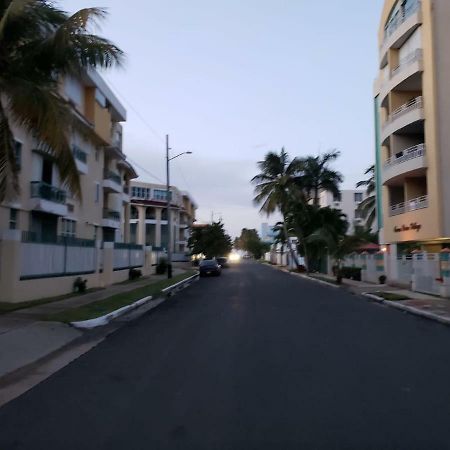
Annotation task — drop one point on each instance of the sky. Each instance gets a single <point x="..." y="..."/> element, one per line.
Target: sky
<point x="231" y="80"/>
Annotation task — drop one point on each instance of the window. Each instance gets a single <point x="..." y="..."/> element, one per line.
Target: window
<point x="68" y="228"/>
<point x="159" y="194"/>
<point x="13" y="219"/>
<point x="97" y="192"/>
<point x="358" y="197"/>
<point x="97" y="155"/>
<point x="358" y="214"/>
<point x="18" y="154"/>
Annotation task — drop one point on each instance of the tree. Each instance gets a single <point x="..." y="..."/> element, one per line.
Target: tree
<point x="280" y="237"/>
<point x="317" y="176"/>
<point x="211" y="241"/>
<point x="368" y="207"/>
<point x="250" y="242"/>
<point x="277" y="185"/>
<point x="39" y="44"/>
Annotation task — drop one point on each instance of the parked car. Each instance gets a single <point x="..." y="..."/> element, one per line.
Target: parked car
<point x="209" y="267"/>
<point x="223" y="262"/>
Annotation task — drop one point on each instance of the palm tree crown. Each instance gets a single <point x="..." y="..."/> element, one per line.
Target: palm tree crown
<point x="39" y="44"/>
<point x="317" y="176"/>
<point x="368" y="206"/>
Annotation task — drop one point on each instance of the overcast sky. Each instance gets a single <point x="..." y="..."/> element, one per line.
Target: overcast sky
<point x="233" y="79"/>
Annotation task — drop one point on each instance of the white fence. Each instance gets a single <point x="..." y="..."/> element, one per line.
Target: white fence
<point x="427" y="272"/>
<point x="128" y="256"/>
<point x="65" y="257"/>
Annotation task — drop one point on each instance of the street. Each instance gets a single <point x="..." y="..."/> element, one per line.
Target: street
<point x="255" y="359"/>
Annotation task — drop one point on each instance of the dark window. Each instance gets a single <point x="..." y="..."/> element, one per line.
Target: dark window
<point x="47" y="171"/>
<point x="358" y="197"/>
<point x="13" y="219"/>
<point x="18" y="154"/>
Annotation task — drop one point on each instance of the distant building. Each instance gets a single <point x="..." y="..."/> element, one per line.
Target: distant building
<point x="149" y="224"/>
<point x="347" y="201"/>
<point x="267" y="233"/>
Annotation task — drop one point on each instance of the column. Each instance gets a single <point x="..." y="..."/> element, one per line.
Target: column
<point x="108" y="264"/>
<point x="126" y="223"/>
<point x="141" y="225"/>
<point x="392" y="263"/>
<point x="158" y="212"/>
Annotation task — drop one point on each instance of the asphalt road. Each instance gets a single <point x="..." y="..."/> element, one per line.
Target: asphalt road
<point x="256" y="359"/>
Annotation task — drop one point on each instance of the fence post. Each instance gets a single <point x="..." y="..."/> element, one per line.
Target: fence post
<point x="148" y="261"/>
<point x="380" y="265"/>
<point x="417" y="269"/>
<point x="364" y="275"/>
<point x="108" y="263"/>
<point x="10" y="265"/>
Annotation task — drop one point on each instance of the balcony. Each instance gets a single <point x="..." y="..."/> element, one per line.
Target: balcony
<point x="401" y="28"/>
<point x="112" y="182"/>
<point x="406" y="73"/>
<point x="408" y="206"/>
<point x="411" y="161"/>
<point x="404" y="118"/>
<point x="47" y="198"/>
<point x="80" y="159"/>
<point x="111" y="219"/>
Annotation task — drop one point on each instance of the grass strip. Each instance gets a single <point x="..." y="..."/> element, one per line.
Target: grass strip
<point x="390" y="296"/>
<point x="107" y="305"/>
<point x="6" y="308"/>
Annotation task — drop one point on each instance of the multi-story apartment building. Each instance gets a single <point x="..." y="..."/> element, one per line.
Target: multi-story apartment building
<point x="148" y="219"/>
<point x="44" y="207"/>
<point x="412" y="112"/>
<point x="347" y="201"/>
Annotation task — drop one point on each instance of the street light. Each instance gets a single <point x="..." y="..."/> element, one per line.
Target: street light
<point x="169" y="216"/>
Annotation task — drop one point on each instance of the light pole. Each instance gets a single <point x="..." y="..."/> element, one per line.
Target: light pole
<point x="169" y="216"/>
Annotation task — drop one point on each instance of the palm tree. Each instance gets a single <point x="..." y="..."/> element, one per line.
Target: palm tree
<point x="276" y="186"/>
<point x="39" y="44"/>
<point x="280" y="237"/>
<point x="368" y="207"/>
<point x="317" y="176"/>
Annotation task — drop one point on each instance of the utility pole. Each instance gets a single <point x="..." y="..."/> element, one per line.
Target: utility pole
<point x="169" y="221"/>
<point x="169" y="199"/>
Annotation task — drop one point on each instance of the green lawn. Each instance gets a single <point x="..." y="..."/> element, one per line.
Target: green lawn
<point x="10" y="307"/>
<point x="390" y="296"/>
<point x="105" y="306"/>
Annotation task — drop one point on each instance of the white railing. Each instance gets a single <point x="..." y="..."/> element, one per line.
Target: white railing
<point x="402" y="17"/>
<point x="415" y="103"/>
<point x="414" y="56"/>
<point x="410" y="153"/>
<point x="410" y="205"/>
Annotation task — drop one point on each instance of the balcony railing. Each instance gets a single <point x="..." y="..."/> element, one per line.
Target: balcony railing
<point x="402" y="17"/>
<point x="414" y="56"/>
<point x="111" y="215"/>
<point x="415" y="103"/>
<point x="110" y="175"/>
<point x="79" y="154"/>
<point x="410" y="153"/>
<point x="410" y="205"/>
<point x="39" y="189"/>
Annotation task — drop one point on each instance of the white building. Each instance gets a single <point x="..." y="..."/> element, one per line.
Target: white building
<point x="347" y="201"/>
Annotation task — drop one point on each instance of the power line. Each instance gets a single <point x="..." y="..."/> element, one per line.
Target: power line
<point x="140" y="116"/>
<point x="145" y="170"/>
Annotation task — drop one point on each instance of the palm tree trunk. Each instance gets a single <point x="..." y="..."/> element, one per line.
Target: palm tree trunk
<point x="293" y="255"/>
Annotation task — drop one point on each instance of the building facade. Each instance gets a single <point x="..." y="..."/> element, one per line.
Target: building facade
<point x="412" y="116"/>
<point x="49" y="238"/>
<point x="347" y="201"/>
<point x="45" y="208"/>
<point x="148" y="219"/>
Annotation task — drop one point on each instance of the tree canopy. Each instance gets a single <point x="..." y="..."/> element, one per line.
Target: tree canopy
<point x="210" y="240"/>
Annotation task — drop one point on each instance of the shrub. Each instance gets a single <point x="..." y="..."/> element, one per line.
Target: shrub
<point x="80" y="285"/>
<point x="161" y="267"/>
<point x="351" y="273"/>
<point x="134" y="274"/>
<point x="382" y="279"/>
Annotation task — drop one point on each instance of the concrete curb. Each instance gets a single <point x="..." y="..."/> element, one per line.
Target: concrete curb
<point x="107" y="318"/>
<point x="409" y="309"/>
<point x="325" y="283"/>
<point x="104" y="320"/>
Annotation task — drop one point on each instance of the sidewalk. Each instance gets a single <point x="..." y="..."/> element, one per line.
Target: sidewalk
<point x="25" y="338"/>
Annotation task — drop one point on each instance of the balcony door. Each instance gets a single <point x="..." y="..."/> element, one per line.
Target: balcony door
<point x="47" y="171"/>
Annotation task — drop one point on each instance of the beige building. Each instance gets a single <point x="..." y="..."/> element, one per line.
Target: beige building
<point x="48" y="238"/>
<point x="148" y="219"/>
<point x="44" y="207"/>
<point x="412" y="109"/>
